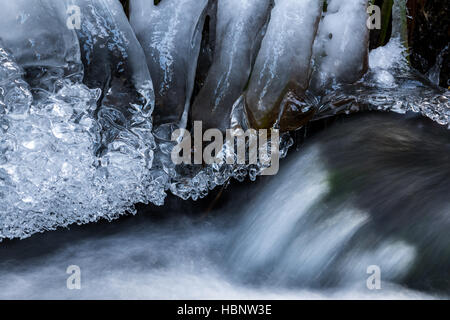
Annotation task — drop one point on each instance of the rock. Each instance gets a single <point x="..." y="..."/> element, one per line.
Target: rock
<point x="429" y="34"/>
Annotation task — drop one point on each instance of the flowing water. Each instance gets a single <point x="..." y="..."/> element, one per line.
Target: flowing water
<point x="310" y="232"/>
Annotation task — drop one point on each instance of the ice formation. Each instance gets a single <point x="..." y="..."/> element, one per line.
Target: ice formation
<point x="170" y="33"/>
<point x="282" y="68"/>
<point x="77" y="142"/>
<point x="50" y="174"/>
<point x="341" y="49"/>
<point x="238" y="38"/>
<point x="35" y="33"/>
<point x="115" y="63"/>
<point x="389" y="85"/>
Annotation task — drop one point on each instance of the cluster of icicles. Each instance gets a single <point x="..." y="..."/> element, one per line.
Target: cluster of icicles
<point x="89" y="98"/>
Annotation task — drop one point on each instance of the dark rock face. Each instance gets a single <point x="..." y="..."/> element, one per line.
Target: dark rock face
<point x="429" y="34"/>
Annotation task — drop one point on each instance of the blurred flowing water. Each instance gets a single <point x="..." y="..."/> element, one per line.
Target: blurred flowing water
<point x="309" y="232"/>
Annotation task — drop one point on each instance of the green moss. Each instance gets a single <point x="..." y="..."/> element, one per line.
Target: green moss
<point x="341" y="183"/>
<point x="386" y="14"/>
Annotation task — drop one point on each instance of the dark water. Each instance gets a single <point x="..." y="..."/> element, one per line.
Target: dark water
<point x="368" y="190"/>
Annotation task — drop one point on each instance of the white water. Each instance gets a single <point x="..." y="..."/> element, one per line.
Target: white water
<point x="261" y="255"/>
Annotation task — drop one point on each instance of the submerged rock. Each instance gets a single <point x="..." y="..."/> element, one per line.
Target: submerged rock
<point x="239" y="31"/>
<point x="170" y="33"/>
<point x="341" y="50"/>
<point x="282" y="69"/>
<point x="36" y="34"/>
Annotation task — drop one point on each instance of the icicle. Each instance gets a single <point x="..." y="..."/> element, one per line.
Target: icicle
<point x="37" y="35"/>
<point x="114" y="62"/>
<point x="342" y="46"/>
<point x="399" y="21"/>
<point x="282" y="69"/>
<point x="170" y="34"/>
<point x="240" y="28"/>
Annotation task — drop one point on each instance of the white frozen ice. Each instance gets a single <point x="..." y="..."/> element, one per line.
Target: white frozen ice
<point x="392" y="55"/>
<point x="51" y="174"/>
<point x="342" y="46"/>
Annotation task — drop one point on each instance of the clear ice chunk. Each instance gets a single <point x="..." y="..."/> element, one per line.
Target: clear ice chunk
<point x="170" y="33"/>
<point x="114" y="62"/>
<point x="341" y="49"/>
<point x="239" y="31"/>
<point x="51" y="174"/>
<point x="15" y="95"/>
<point x="282" y="68"/>
<point x="36" y="34"/>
